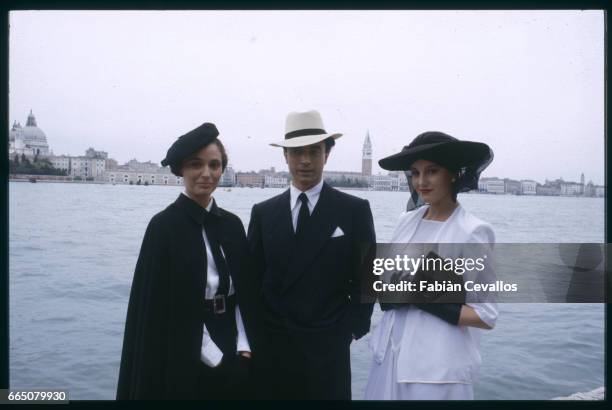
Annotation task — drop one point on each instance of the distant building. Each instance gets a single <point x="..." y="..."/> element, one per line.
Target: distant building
<point x="366" y="157"/>
<point x="512" y="186"/>
<point x="600" y="191"/>
<point x="141" y="173"/>
<point x="346" y="178"/>
<point x="130" y="177"/>
<point x="548" y="189"/>
<point x="249" y="179"/>
<point x="92" y="153"/>
<point x="493" y="185"/>
<point x="229" y="177"/>
<point x="528" y="187"/>
<point x="571" y="189"/>
<point x="111" y="163"/>
<point x="84" y="167"/>
<point x="275" y="181"/>
<point x="146" y="167"/>
<point x="29" y="140"/>
<point x="270" y="171"/>
<point x="384" y="182"/>
<point x="402" y="179"/>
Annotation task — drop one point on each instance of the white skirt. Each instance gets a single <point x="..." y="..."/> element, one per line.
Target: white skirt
<point x="382" y="381"/>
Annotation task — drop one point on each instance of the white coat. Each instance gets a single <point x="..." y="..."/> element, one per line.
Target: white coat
<point x="432" y="350"/>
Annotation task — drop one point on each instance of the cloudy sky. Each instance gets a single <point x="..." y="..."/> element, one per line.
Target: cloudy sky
<point x="529" y="83"/>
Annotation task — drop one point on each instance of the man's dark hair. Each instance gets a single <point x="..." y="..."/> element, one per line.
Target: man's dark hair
<point x="329" y="143"/>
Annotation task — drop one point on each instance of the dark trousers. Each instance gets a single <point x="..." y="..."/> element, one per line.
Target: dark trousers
<point x="291" y="365"/>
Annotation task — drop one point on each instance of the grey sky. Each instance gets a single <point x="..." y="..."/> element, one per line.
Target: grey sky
<point x="529" y="83"/>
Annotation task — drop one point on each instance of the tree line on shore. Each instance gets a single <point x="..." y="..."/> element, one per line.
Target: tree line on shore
<point x="36" y="166"/>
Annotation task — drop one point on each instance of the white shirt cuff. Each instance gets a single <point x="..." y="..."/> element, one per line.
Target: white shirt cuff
<point x="242" y="343"/>
<point x="210" y="354"/>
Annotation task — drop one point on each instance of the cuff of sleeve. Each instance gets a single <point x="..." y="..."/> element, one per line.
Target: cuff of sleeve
<point x="210" y="354"/>
<point x="486" y="312"/>
<point x="242" y="345"/>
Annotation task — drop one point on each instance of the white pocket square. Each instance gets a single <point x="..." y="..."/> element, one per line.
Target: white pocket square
<point x="338" y="232"/>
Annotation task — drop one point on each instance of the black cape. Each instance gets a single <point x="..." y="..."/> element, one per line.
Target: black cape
<point x="164" y="324"/>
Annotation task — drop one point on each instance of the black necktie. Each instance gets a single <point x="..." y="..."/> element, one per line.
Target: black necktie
<point x="210" y="225"/>
<point x="303" y="216"/>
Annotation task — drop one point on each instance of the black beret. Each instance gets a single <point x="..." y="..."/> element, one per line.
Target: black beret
<point x="189" y="143"/>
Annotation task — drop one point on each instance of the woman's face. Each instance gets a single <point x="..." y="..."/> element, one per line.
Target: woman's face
<point x="433" y="182"/>
<point x="202" y="171"/>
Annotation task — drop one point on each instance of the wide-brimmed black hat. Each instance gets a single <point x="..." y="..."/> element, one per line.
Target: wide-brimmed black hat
<point x="442" y="149"/>
<point x="187" y="144"/>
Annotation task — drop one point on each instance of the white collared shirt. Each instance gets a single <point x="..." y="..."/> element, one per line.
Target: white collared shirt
<point x="295" y="204"/>
<point x="210" y="353"/>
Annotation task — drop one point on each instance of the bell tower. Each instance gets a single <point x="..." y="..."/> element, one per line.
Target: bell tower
<point x="366" y="157"/>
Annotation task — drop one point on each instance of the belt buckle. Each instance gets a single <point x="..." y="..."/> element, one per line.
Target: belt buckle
<point x="219" y="304"/>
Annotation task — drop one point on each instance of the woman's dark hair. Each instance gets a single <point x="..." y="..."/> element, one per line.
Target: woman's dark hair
<point x="224" y="160"/>
<point x="223" y="153"/>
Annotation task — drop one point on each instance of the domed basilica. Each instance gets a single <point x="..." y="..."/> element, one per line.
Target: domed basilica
<point x="29" y="140"/>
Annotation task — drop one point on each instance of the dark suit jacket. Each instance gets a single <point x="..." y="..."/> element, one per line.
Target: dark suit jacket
<point x="318" y="285"/>
<point x="163" y="330"/>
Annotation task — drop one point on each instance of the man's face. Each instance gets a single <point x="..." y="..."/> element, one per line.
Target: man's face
<point x="306" y="164"/>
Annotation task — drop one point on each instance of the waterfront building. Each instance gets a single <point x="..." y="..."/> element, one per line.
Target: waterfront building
<point x="548" y="189"/>
<point x="528" y="187"/>
<point x="600" y="191"/>
<point x="111" y="163"/>
<point x="482" y="184"/>
<point x="144" y="167"/>
<point x="346" y="178"/>
<point x="512" y="186"/>
<point x="92" y="153"/>
<point x="384" y="182"/>
<point x="402" y="179"/>
<point x="29" y="140"/>
<point x="275" y="181"/>
<point x="571" y="189"/>
<point x="89" y="166"/>
<point x="141" y="173"/>
<point x="495" y="186"/>
<point x="366" y="156"/>
<point x="131" y="177"/>
<point x="249" y="179"/>
<point x="229" y="177"/>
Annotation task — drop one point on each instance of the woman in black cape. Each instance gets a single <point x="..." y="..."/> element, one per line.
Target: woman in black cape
<point x="187" y="321"/>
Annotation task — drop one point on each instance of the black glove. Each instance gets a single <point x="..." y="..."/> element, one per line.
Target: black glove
<point x="449" y="312"/>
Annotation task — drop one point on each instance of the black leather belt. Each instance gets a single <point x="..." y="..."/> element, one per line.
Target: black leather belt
<point x="220" y="304"/>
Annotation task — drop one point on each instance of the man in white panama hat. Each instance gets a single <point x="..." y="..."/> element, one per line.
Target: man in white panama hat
<point x="307" y="244"/>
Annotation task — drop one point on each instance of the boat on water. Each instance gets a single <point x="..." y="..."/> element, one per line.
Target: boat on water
<point x="32" y="180"/>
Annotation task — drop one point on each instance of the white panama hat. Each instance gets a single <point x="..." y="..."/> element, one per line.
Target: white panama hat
<point x="304" y="128"/>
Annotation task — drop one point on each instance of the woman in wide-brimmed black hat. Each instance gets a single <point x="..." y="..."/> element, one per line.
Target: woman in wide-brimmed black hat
<point x="430" y="351"/>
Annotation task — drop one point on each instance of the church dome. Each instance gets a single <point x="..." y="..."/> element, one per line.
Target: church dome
<point x="33" y="135"/>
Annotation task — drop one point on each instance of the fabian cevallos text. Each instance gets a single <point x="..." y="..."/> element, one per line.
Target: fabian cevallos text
<point x="457" y="266"/>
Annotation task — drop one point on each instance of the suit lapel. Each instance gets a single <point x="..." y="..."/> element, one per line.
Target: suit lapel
<point x="279" y="230"/>
<point x="318" y="231"/>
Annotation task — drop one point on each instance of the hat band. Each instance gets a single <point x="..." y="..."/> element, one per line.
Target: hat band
<point x="306" y="131"/>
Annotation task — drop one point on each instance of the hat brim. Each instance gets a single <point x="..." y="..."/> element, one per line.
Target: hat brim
<point x="457" y="153"/>
<point x="304" y="140"/>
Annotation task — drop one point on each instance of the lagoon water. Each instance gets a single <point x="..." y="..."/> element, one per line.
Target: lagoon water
<point x="73" y="248"/>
